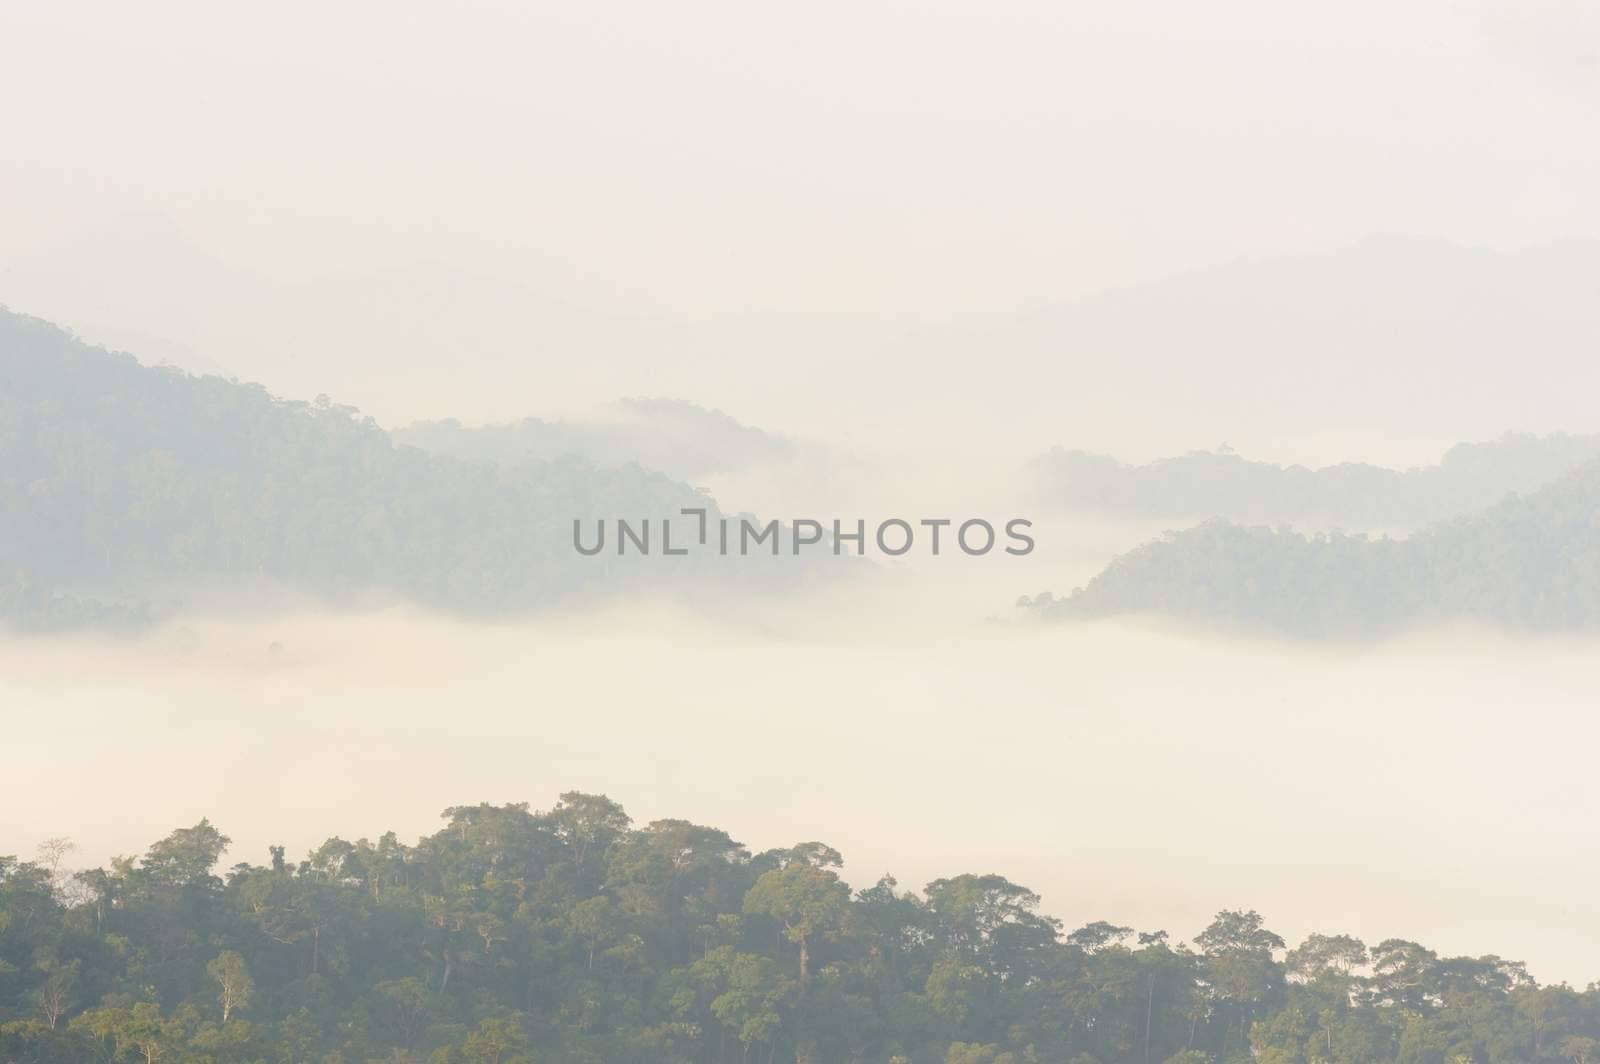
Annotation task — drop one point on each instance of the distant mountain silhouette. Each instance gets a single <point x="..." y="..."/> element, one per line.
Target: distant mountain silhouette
<point x="120" y="481"/>
<point x="396" y="340"/>
<point x="1531" y="562"/>
<point x="678" y="438"/>
<point x="1387" y="337"/>
<point x="1350" y="496"/>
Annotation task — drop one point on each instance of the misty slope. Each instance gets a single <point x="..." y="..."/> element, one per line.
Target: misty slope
<point x="681" y="439"/>
<point x="1404" y="338"/>
<point x="1530" y="562"/>
<point x="1410" y="335"/>
<point x="117" y="478"/>
<point x="380" y="338"/>
<point x="1353" y="495"/>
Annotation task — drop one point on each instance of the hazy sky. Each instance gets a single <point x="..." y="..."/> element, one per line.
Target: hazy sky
<point x="883" y="159"/>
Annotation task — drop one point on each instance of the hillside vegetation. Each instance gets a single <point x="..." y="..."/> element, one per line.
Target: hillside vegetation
<point x="1530" y="562"/>
<point x="123" y="484"/>
<point x="574" y="936"/>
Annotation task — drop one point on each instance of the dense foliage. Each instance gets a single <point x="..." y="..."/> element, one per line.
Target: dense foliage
<point x="121" y="482"/>
<point x="1529" y="562"/>
<point x="573" y="936"/>
<point x="1352" y="495"/>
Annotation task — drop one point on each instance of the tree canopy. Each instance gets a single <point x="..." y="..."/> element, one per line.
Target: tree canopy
<point x="573" y="935"/>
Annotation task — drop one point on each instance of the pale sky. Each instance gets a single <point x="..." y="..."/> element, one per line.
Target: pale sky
<point x="881" y="159"/>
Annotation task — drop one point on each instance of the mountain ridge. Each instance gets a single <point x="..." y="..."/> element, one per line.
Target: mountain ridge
<point x="1528" y="562"/>
<point x="116" y="477"/>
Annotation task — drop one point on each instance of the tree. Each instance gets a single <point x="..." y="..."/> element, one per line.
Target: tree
<point x="748" y="993"/>
<point x="234" y="985"/>
<point x="54" y="995"/>
<point x="496" y="1040"/>
<point x="1581" y="1049"/>
<point x="52" y="855"/>
<point x="406" y="1003"/>
<point x="589" y="824"/>
<point x="1322" y="954"/>
<point x="186" y="856"/>
<point x="1403" y="974"/>
<point x="137" y="1028"/>
<point x="1239" y="965"/>
<point x="1098" y="935"/>
<point x="990" y="921"/>
<point x="808" y="899"/>
<point x="594" y="923"/>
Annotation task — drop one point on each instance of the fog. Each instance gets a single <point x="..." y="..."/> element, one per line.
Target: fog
<point x="889" y="160"/>
<point x="1132" y="771"/>
<point x="1125" y="771"/>
<point x="901" y="224"/>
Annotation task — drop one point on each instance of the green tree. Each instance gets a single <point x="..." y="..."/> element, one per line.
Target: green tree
<point x="234" y="985"/>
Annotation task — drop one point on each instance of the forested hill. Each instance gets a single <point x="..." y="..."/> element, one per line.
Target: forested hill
<point x="1530" y="562"/>
<point x="1353" y="495"/>
<point x="574" y="937"/>
<point x="118" y="478"/>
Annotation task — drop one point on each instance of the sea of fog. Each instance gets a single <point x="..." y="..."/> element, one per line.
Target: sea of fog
<point x="1428" y="787"/>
